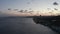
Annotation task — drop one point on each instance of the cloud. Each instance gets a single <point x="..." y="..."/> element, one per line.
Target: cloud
<point x="21" y="11"/>
<point x="15" y="9"/>
<point x="55" y="3"/>
<point x="15" y="12"/>
<point x="9" y="8"/>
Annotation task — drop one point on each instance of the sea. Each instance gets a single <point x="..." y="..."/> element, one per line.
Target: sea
<point x="22" y="25"/>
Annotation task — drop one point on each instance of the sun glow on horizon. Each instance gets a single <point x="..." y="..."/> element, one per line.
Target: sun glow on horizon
<point x="32" y="13"/>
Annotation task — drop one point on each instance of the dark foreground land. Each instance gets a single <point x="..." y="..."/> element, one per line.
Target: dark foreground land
<point x="53" y="22"/>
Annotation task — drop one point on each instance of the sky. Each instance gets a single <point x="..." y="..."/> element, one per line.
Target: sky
<point x="35" y="5"/>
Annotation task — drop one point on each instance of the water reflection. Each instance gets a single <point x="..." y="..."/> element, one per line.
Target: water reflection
<point x="22" y="26"/>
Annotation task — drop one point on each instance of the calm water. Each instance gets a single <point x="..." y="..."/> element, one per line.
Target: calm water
<point x="22" y="26"/>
